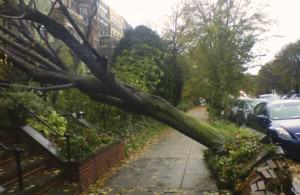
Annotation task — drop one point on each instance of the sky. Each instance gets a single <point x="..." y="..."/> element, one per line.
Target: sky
<point x="284" y="30"/>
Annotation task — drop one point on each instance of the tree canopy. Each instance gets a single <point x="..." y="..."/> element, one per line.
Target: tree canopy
<point x="144" y="60"/>
<point x="220" y="36"/>
<point x="282" y="73"/>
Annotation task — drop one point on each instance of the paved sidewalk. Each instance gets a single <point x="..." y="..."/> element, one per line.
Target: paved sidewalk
<point x="174" y="165"/>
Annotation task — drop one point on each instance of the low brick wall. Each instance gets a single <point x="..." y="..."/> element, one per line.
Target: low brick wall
<point x="88" y="171"/>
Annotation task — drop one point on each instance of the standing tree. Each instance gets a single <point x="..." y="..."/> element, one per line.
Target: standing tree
<point x="289" y="61"/>
<point x="144" y="55"/>
<point x="282" y="74"/>
<point x="222" y="34"/>
<point x="174" y="34"/>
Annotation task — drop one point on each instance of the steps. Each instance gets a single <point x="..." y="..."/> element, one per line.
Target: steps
<point x="40" y="174"/>
<point x="30" y="165"/>
<point x="36" y="183"/>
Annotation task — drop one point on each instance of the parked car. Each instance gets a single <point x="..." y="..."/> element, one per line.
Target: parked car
<point x="270" y="96"/>
<point x="295" y="96"/>
<point x="291" y="96"/>
<point x="280" y="120"/>
<point x="242" y="108"/>
<point x="200" y="101"/>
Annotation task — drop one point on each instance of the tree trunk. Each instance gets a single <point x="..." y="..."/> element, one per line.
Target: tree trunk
<point x="200" y="131"/>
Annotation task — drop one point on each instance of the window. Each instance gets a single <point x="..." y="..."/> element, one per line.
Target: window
<point x="260" y="109"/>
<point x="104" y="28"/>
<point x="285" y="111"/>
<point x="83" y="11"/>
<point x="103" y="12"/>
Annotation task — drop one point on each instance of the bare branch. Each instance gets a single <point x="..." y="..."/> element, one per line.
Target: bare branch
<point x="33" y="45"/>
<point x="52" y="7"/>
<point x="37" y="73"/>
<point x="113" y="102"/>
<point x="98" y="66"/>
<point x="77" y="29"/>
<point x="43" y="89"/>
<point x="30" y="53"/>
<point x="91" y="18"/>
<point x="57" y="59"/>
<point x="12" y="17"/>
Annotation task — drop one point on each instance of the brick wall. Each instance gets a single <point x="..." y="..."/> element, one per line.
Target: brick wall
<point x="88" y="171"/>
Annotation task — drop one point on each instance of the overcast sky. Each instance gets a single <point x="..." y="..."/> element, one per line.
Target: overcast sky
<point x="285" y="12"/>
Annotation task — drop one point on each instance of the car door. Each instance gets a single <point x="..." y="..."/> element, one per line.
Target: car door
<point x="251" y="117"/>
<point x="240" y="113"/>
<point x="253" y="120"/>
<point x="263" y="119"/>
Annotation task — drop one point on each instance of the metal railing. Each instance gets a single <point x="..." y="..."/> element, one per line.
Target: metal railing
<point x="17" y="152"/>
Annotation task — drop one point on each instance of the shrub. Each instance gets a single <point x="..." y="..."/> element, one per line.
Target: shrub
<point x="238" y="152"/>
<point x="185" y="105"/>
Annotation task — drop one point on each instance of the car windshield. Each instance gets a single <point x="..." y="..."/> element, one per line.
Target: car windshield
<point x="269" y="97"/>
<point x="285" y="111"/>
<point x="253" y="103"/>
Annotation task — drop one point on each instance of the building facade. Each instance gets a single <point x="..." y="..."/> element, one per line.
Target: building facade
<point x="108" y="26"/>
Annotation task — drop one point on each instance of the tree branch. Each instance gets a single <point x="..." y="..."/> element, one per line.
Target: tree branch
<point x="113" y="102"/>
<point x="33" y="45"/>
<point x="43" y="89"/>
<point x="30" y="53"/>
<point x="91" y="18"/>
<point x="52" y="7"/>
<point x="57" y="59"/>
<point x="77" y="29"/>
<point x="97" y="66"/>
<point x="37" y="73"/>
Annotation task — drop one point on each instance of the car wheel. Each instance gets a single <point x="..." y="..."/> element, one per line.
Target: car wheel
<point x="269" y="139"/>
<point x="240" y="121"/>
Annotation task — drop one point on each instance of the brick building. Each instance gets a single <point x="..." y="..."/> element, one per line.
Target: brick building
<point x="108" y="26"/>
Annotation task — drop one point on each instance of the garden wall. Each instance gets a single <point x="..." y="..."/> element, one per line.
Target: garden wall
<point x="88" y="171"/>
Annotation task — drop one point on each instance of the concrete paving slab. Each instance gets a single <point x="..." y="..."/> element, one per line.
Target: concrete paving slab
<point x="197" y="166"/>
<point x="198" y="182"/>
<point x="174" y="165"/>
<point x="163" y="173"/>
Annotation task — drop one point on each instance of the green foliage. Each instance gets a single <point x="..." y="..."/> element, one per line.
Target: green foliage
<point x="55" y="124"/>
<point x="141" y="35"/>
<point x="84" y="141"/>
<point x="112" y="122"/>
<point x="12" y="104"/>
<point x="186" y="104"/>
<point x="140" y="133"/>
<point x="103" y="116"/>
<point x="223" y="34"/>
<point x="139" y="67"/>
<point x="241" y="149"/>
<point x="283" y="73"/>
<point x="143" y="60"/>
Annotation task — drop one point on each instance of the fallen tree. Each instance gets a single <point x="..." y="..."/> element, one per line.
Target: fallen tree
<point x="42" y="63"/>
<point x="24" y="41"/>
